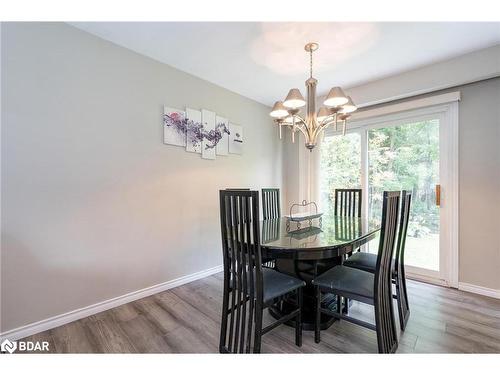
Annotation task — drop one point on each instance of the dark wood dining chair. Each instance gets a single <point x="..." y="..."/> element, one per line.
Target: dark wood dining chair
<point x="367" y="262"/>
<point x="249" y="288"/>
<point x="348" y="202"/>
<point x="366" y="287"/>
<point x="271" y="206"/>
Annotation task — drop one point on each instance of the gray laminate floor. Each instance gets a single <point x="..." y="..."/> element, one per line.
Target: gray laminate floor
<point x="186" y="320"/>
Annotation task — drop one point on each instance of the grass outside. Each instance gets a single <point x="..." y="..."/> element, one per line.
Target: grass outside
<point x="420" y="252"/>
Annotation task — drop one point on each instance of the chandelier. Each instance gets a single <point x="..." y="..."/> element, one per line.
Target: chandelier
<point x="336" y="107"/>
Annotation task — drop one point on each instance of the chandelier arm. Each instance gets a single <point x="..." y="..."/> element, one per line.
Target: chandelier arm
<point x="298" y="124"/>
<point x="324" y="124"/>
<point x="328" y="120"/>
<point x="303" y="129"/>
<point x="300" y="119"/>
<point x="327" y="124"/>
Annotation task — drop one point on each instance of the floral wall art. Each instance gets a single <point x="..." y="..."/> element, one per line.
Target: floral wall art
<point x="201" y="132"/>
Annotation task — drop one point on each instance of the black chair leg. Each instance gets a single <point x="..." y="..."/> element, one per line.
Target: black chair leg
<point x="345" y="310"/>
<point x="317" y="328"/>
<point x="222" y="339"/>
<point x="402" y="301"/>
<point x="385" y="324"/>
<point x="258" y="331"/>
<point x="298" y="319"/>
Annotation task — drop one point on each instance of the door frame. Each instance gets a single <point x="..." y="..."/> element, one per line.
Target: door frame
<point x="445" y="108"/>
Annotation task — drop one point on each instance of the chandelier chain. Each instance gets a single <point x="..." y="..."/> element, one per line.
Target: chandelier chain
<point x="311" y="63"/>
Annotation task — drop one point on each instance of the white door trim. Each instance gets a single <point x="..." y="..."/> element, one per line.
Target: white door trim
<point x="406" y="106"/>
<point x="450" y="202"/>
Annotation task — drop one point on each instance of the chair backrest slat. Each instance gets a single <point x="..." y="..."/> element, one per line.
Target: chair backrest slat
<point x="271" y="207"/>
<point x="384" y="313"/>
<point x="404" y="218"/>
<point x="348" y="202"/>
<point x="242" y="300"/>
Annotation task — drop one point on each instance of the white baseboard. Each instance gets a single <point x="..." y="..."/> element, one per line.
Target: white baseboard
<point x="59" y="320"/>
<point x="489" y="292"/>
<point x="426" y="279"/>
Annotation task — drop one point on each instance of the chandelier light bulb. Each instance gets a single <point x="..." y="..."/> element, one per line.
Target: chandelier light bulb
<point x="349" y="106"/>
<point x="336" y="97"/>
<point x="294" y="99"/>
<point x="279" y="110"/>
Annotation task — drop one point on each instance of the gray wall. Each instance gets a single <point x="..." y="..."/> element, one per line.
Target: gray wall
<point x="94" y="205"/>
<point x="471" y="67"/>
<point x="479" y="190"/>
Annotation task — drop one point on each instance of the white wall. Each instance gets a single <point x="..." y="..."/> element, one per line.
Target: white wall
<point x="94" y="205"/>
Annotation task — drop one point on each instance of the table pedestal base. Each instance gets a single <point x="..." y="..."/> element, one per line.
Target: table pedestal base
<point x="308" y="314"/>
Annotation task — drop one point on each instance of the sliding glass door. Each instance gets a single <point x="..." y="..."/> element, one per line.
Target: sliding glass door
<point x="406" y="157"/>
<point x="340" y="166"/>
<point x="408" y="153"/>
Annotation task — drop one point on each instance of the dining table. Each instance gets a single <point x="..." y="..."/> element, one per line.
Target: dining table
<point x="306" y="250"/>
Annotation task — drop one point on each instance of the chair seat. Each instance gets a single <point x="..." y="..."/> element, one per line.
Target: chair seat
<point x="364" y="261"/>
<point x="346" y="280"/>
<point x="277" y="284"/>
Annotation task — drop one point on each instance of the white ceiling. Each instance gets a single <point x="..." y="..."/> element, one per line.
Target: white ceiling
<point x="262" y="61"/>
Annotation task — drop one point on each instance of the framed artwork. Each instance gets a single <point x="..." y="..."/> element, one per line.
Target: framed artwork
<point x="193" y="130"/>
<point x="174" y="127"/>
<point x="235" y="139"/>
<point x="208" y="143"/>
<point x="202" y="132"/>
<point x="222" y="128"/>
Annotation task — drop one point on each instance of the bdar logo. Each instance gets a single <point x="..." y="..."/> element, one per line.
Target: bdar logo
<point x="24" y="346"/>
<point x="8" y="346"/>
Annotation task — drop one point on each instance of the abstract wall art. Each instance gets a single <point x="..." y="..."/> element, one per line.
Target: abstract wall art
<point x="209" y="138"/>
<point x="201" y="132"/>
<point x="235" y="139"/>
<point x="174" y="127"/>
<point x="223" y="127"/>
<point x="194" y="126"/>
